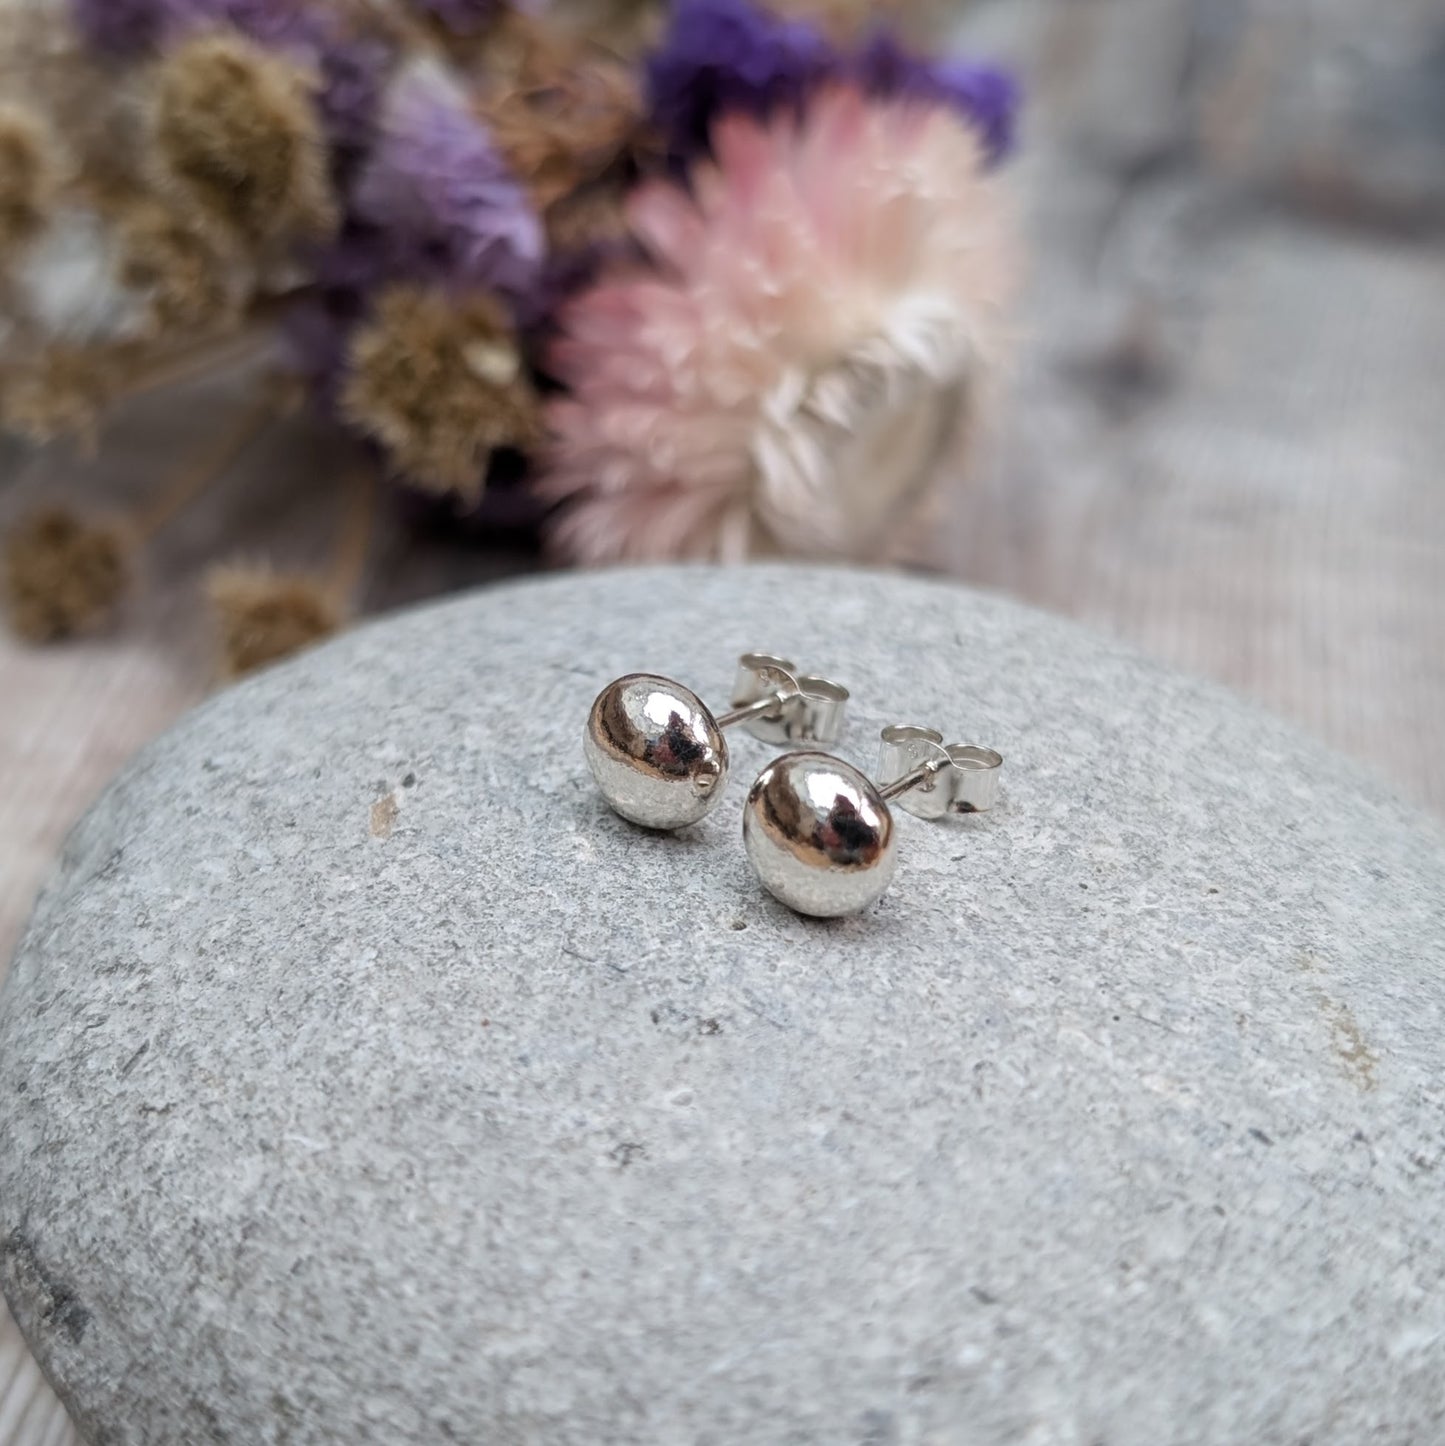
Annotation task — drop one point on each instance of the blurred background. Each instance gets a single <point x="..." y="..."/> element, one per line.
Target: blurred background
<point x="1219" y="434"/>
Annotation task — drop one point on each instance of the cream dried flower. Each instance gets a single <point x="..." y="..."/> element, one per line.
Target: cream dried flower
<point x="68" y="286"/>
<point x="827" y="306"/>
<point x="71" y="332"/>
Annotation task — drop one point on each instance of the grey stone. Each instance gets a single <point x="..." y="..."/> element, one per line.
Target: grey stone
<point x="364" y="1078"/>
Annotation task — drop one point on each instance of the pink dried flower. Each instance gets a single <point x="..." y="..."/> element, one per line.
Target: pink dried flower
<point x="826" y="306"/>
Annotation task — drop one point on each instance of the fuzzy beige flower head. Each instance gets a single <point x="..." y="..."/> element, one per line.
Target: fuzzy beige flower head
<point x="62" y="574"/>
<point x="184" y="271"/>
<point x="30" y="172"/>
<point x="235" y="134"/>
<point x="59" y="391"/>
<point x="439" y="381"/>
<point x="266" y="616"/>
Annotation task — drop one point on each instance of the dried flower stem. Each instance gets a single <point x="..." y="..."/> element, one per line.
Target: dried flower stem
<point x="63" y="574"/>
<point x="263" y="616"/>
<point x="358" y="524"/>
<point x="208" y="466"/>
<point x="194" y="359"/>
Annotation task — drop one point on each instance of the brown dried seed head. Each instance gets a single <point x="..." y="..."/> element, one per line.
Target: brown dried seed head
<point x="563" y="129"/>
<point x="62" y="574"/>
<point x="234" y="132"/>
<point x="265" y="616"/>
<point x="60" y="392"/>
<point x="519" y="46"/>
<point x="440" y="383"/>
<point x="30" y="171"/>
<point x="592" y="216"/>
<point x="182" y="269"/>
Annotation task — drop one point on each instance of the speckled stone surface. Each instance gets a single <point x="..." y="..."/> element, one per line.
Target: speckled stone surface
<point x="364" y="1079"/>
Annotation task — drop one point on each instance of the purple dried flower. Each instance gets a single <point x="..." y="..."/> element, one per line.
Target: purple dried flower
<point x="725" y="55"/>
<point x="461" y="17"/>
<point x="721" y="55"/>
<point x="121" y="27"/>
<point x="279" y="23"/>
<point x="316" y="327"/>
<point x="434" y="201"/>
<point x="983" y="95"/>
<point x="127" y="27"/>
<point x="315" y="331"/>
<point x="441" y="199"/>
<point x="353" y="72"/>
<point x="355" y="260"/>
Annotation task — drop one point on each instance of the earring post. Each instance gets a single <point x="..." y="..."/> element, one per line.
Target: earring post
<point x="768" y="707"/>
<point x="911" y="780"/>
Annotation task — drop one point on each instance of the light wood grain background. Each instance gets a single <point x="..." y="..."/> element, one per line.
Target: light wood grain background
<point x="1224" y="439"/>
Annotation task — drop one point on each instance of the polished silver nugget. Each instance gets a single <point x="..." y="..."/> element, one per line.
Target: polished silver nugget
<point x="658" y="753"/>
<point x="820" y="834"/>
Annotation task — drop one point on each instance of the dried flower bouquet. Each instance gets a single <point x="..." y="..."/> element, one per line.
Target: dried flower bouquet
<point x="705" y="283"/>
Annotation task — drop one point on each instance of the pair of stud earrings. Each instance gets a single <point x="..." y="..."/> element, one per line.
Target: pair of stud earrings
<point x="818" y="832"/>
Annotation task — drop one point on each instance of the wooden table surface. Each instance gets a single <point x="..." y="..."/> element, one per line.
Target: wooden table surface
<point x="1223" y="441"/>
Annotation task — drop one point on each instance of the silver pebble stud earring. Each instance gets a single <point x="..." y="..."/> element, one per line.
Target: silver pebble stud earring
<point x="658" y="754"/>
<point x="820" y="834"/>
